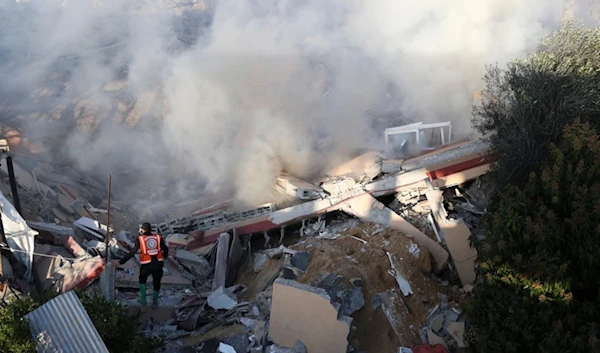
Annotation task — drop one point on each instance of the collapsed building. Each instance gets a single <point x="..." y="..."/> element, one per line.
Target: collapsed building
<point x="421" y="200"/>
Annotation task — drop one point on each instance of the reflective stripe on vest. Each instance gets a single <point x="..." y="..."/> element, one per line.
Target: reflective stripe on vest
<point x="150" y="246"/>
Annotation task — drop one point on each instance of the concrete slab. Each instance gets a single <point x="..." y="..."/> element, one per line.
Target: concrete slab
<point x="221" y="262"/>
<point x="222" y="298"/>
<point x="236" y="252"/>
<point x="303" y="313"/>
<point x="456" y="234"/>
<point x="362" y="168"/>
<point x="367" y="207"/>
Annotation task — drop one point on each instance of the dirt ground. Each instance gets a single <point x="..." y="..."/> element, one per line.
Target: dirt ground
<point x="352" y="258"/>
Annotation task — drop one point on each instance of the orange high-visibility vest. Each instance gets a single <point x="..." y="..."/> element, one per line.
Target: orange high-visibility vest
<point x="150" y="246"/>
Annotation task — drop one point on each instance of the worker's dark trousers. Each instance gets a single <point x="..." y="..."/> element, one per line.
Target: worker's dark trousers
<point x="154" y="268"/>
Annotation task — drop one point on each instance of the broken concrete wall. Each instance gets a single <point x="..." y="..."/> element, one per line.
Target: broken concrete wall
<point x="303" y="313"/>
<point x="369" y="209"/>
<point x="362" y="168"/>
<point x="456" y="234"/>
<point x="236" y="253"/>
<point x="221" y="261"/>
<point x="298" y="188"/>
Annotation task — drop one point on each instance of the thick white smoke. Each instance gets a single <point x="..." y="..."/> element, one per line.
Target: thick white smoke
<point x="228" y="94"/>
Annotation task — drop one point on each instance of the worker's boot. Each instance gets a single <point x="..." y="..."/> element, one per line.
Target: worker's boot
<point x="154" y="298"/>
<point x="142" y="299"/>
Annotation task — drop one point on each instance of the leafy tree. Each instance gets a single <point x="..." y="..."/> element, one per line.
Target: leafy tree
<point x="526" y="106"/>
<point x="541" y="258"/>
<point x="14" y="330"/>
<point x="117" y="329"/>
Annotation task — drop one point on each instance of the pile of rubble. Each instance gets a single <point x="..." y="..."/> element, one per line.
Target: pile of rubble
<point x="355" y="264"/>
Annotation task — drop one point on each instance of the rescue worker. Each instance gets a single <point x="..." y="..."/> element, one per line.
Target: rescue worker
<point x="153" y="251"/>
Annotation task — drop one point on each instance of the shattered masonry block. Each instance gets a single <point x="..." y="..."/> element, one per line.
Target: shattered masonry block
<point x="353" y="300"/>
<point x="260" y="260"/>
<point x="277" y="349"/>
<point x="315" y="322"/>
<point x="184" y="255"/>
<point x="300" y="260"/>
<point x="222" y="298"/>
<point x="457" y="331"/>
<point x="220" y="275"/>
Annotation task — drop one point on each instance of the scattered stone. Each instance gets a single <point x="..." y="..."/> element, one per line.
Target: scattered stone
<point x="468" y="288"/>
<point x="277" y="252"/>
<point x="451" y="317"/>
<point x="352" y="301"/>
<point x="255" y="311"/>
<point x="357" y="282"/>
<point x="457" y="331"/>
<point x="278" y="349"/>
<point x="225" y="348"/>
<point x="437" y="324"/>
<point x="260" y="332"/>
<point x="434" y="339"/>
<point x="299" y="347"/>
<point x="444" y="283"/>
<point x="404" y="350"/>
<point x="238" y="342"/>
<point x="248" y="323"/>
<point x="329" y="280"/>
<point x="414" y="249"/>
<point x="376" y="301"/>
<point x="300" y="260"/>
<point x="455" y="288"/>
<point x="260" y="260"/>
<point x="456" y="310"/>
<point x="288" y="273"/>
<point x="222" y="298"/>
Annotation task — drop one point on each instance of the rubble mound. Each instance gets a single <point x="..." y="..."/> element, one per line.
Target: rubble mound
<point x="357" y="256"/>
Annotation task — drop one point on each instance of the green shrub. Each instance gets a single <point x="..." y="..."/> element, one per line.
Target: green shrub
<point x="118" y="329"/>
<point x="15" y="336"/>
<point x="526" y="106"/>
<point x="541" y="258"/>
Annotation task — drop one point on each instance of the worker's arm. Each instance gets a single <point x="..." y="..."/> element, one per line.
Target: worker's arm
<point x="164" y="248"/>
<point x="136" y="247"/>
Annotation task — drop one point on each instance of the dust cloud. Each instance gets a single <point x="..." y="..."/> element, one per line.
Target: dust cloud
<point x="200" y="96"/>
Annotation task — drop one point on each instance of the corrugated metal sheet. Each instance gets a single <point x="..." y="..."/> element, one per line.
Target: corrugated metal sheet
<point x="62" y="325"/>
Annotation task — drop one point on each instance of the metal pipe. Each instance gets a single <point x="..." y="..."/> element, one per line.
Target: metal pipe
<point x="13" y="184"/>
<point x="108" y="218"/>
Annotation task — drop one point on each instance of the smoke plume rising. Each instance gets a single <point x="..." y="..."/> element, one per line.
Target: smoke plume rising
<point x="220" y="96"/>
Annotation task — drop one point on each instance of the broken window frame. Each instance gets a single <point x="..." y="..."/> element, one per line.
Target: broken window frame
<point x="416" y="128"/>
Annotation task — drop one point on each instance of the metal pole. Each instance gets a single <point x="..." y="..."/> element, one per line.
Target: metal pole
<point x="3" y="241"/>
<point x="107" y="279"/>
<point x="108" y="218"/>
<point x="13" y="184"/>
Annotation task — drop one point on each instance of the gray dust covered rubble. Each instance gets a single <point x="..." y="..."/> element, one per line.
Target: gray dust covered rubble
<point x="315" y="177"/>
